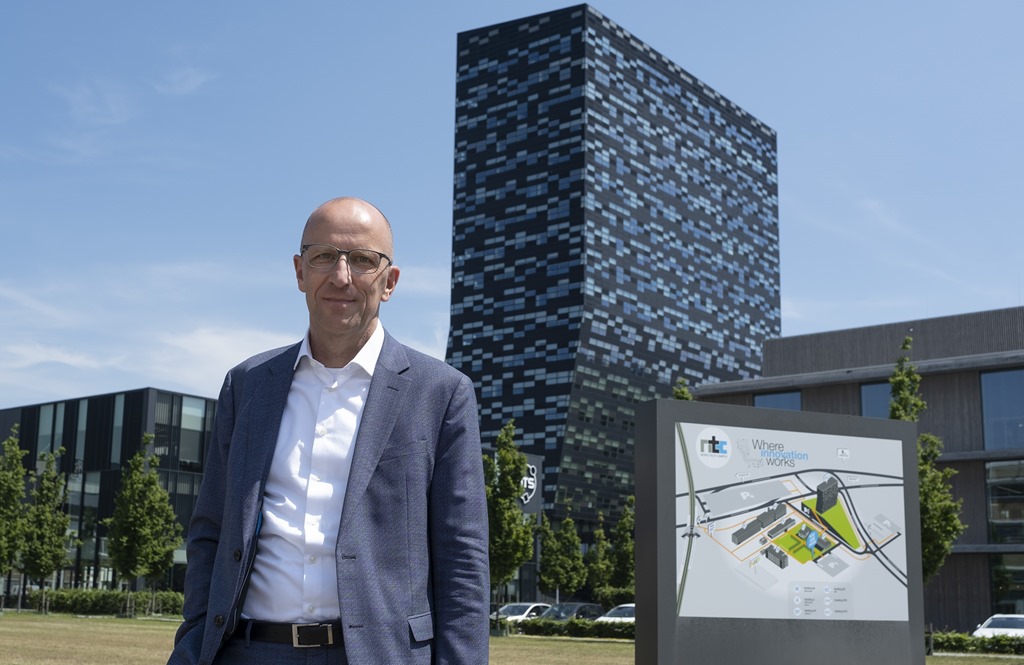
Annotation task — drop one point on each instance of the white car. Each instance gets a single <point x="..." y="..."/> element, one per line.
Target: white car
<point x="514" y="612"/>
<point x="620" y="614"/>
<point x="1001" y="624"/>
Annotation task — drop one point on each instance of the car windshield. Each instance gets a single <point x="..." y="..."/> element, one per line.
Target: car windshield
<point x="1005" y="622"/>
<point x="515" y="609"/>
<point x="559" y="612"/>
<point x="622" y="612"/>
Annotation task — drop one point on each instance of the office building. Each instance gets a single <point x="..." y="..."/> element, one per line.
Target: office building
<point x="972" y="378"/>
<point x="615" y="228"/>
<point x="99" y="434"/>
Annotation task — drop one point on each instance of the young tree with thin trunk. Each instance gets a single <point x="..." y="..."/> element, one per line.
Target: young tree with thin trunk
<point x="46" y="524"/>
<point x="940" y="512"/>
<point x="143" y="529"/>
<point x="510" y="531"/>
<point x="561" y="561"/>
<point x="12" y="503"/>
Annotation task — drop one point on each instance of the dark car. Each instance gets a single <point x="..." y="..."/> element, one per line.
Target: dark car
<point x="566" y="611"/>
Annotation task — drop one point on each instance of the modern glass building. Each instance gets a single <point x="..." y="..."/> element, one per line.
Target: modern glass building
<point x="615" y="228"/>
<point x="99" y="434"/>
<point x="972" y="377"/>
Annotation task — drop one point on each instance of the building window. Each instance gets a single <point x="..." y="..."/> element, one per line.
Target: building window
<point x="193" y="416"/>
<point x="1002" y="406"/>
<point x="1005" y="482"/>
<point x="790" y="400"/>
<point x="874" y="399"/>
<point x="1006" y="575"/>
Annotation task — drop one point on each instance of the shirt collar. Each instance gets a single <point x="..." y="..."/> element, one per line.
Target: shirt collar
<point x="366" y="358"/>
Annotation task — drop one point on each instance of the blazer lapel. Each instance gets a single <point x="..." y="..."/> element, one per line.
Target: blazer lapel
<point x="383" y="404"/>
<point x="266" y="396"/>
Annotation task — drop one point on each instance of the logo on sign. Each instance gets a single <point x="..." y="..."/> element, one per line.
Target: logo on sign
<point x="713" y="447"/>
<point x="529" y="484"/>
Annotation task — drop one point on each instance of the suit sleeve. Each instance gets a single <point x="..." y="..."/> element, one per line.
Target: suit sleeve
<point x="459" y="542"/>
<point x="204" y="535"/>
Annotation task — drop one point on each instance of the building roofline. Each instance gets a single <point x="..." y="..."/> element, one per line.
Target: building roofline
<point x="874" y="373"/>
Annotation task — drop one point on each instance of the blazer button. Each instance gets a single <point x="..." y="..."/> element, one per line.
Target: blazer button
<point x="218" y="621"/>
<point x="237" y="554"/>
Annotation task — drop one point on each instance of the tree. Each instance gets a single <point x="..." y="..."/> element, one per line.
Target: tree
<point x="940" y="512"/>
<point x="510" y="531"/>
<point x="598" y="559"/>
<point x="12" y="503"/>
<point x="623" y="561"/>
<point x="143" y="530"/>
<point x="46" y="524"/>
<point x="561" y="563"/>
<point x="681" y="390"/>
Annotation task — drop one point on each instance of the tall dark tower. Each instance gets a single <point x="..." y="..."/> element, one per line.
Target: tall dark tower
<point x="615" y="228"/>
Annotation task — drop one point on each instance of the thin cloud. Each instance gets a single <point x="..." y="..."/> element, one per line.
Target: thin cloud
<point x="196" y="360"/>
<point x="96" y="102"/>
<point x="21" y="356"/>
<point x="183" y="81"/>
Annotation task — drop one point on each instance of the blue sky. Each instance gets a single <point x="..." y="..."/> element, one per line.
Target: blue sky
<point x="158" y="160"/>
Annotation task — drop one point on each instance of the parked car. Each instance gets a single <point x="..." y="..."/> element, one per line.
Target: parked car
<point x="1001" y="624"/>
<point x="625" y="613"/>
<point x="514" y="612"/>
<point x="566" y="611"/>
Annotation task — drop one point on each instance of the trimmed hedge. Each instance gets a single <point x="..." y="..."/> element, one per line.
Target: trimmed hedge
<point x="964" y="643"/>
<point x="105" y="601"/>
<point x="577" y="628"/>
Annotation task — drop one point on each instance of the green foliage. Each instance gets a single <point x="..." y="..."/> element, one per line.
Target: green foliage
<point x="46" y="523"/>
<point x="577" y="628"/>
<point x="905" y="403"/>
<point x="561" y="562"/>
<point x="940" y="512"/>
<point x="510" y="531"/>
<point x="964" y="643"/>
<point x="143" y="530"/>
<point x="623" y="556"/>
<point x="598" y="559"/>
<point x="610" y="596"/>
<point x="104" y="602"/>
<point x="12" y="501"/>
<point x="681" y="390"/>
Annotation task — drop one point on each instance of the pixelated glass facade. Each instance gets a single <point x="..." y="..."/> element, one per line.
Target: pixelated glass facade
<point x="615" y="228"/>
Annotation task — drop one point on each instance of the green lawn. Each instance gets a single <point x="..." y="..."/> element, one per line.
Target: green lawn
<point x="27" y="638"/>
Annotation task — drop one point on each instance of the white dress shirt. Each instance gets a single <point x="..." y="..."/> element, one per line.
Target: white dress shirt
<point x="294" y="578"/>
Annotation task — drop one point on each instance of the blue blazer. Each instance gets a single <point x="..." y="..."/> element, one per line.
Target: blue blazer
<point x="412" y="559"/>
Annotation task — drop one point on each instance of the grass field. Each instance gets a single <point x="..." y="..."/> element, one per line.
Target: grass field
<point x="31" y="639"/>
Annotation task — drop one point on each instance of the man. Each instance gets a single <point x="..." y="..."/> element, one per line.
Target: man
<point x="342" y="516"/>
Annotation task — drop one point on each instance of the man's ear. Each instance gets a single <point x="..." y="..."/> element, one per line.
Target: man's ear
<point x="392" y="280"/>
<point x="299" y="277"/>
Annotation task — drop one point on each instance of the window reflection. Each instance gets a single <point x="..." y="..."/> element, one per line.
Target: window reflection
<point x="788" y="400"/>
<point x="1002" y="404"/>
<point x="874" y="399"/>
<point x="1005" y="481"/>
<point x="1006" y="574"/>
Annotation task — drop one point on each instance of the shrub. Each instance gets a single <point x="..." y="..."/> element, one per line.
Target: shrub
<point x="964" y="643"/>
<point x="106" y="602"/>
<point x="577" y="628"/>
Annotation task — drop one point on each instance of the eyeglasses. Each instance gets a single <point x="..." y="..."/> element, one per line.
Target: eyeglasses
<point x="325" y="257"/>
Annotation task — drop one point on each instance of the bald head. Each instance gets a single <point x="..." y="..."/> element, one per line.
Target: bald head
<point x="350" y="210"/>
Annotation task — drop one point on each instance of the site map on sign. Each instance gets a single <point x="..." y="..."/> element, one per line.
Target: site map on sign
<point x="773" y="524"/>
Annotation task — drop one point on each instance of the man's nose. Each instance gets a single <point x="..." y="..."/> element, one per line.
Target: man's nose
<point x="341" y="273"/>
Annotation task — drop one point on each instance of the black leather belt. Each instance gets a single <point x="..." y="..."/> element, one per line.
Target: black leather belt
<point x="299" y="635"/>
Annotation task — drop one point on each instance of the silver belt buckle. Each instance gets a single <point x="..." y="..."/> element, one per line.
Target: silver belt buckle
<point x="295" y="634"/>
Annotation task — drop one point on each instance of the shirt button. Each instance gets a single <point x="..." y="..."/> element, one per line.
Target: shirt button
<point x="311" y="609"/>
<point x="312" y="558"/>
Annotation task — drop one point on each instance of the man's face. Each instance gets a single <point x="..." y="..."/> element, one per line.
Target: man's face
<point x="343" y="304"/>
